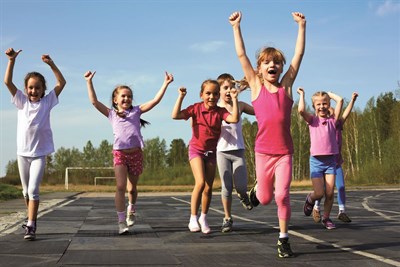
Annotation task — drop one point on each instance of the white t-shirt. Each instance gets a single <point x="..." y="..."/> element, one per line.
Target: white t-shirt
<point x="34" y="135"/>
<point x="231" y="137"/>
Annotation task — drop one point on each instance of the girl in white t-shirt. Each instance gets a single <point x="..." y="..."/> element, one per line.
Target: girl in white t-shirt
<point x="34" y="135"/>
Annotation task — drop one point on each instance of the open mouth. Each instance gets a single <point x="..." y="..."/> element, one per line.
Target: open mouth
<point x="272" y="72"/>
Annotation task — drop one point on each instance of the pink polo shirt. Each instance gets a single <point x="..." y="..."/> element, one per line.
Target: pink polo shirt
<point x="206" y="125"/>
<point x="323" y="136"/>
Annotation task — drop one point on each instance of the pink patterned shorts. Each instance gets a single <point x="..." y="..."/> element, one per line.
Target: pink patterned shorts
<point x="132" y="160"/>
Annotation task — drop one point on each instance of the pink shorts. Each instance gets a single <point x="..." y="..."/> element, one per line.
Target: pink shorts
<point x="210" y="156"/>
<point x="132" y="160"/>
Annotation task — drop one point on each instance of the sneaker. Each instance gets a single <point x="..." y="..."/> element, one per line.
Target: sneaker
<point x="308" y="207"/>
<point x="194" y="226"/>
<point x="253" y="198"/>
<point x="343" y="217"/>
<point x="29" y="232"/>
<point x="123" y="228"/>
<point x="246" y="202"/>
<point x="316" y="214"/>
<point x="328" y="224"/>
<point x="204" y="227"/>
<point x="130" y="218"/>
<point x="284" y="250"/>
<point x="226" y="225"/>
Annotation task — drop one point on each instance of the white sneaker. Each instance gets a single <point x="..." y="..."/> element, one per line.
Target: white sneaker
<point x="194" y="226"/>
<point x="123" y="229"/>
<point x="131" y="218"/>
<point x="204" y="226"/>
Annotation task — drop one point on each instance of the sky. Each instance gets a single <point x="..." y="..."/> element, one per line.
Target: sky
<point x="351" y="46"/>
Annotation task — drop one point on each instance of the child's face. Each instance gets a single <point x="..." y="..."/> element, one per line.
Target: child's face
<point x="271" y="69"/>
<point x="210" y="95"/>
<point x="321" y="105"/>
<point x="34" y="89"/>
<point x="225" y="91"/>
<point x="123" y="99"/>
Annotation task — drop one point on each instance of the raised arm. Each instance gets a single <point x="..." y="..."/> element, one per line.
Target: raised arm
<point x="235" y="114"/>
<point x="339" y="104"/>
<point x="57" y="73"/>
<point x="12" y="55"/>
<point x="251" y="76"/>
<point x="169" y="78"/>
<point x="291" y="73"/>
<point x="177" y="114"/>
<point x="92" y="94"/>
<point x="349" y="107"/>
<point x="302" y="106"/>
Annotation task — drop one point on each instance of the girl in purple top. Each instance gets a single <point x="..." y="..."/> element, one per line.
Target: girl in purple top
<point x="272" y="102"/>
<point x="206" y="123"/>
<point x="323" y="152"/>
<point x="128" y="142"/>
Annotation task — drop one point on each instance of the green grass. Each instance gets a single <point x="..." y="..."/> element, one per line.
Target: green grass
<point x="8" y="192"/>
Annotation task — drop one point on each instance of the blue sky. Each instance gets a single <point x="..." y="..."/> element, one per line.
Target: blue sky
<point x="352" y="45"/>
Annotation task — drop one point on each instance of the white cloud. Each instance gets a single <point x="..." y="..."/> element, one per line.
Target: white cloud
<point x="207" y="47"/>
<point x="388" y="7"/>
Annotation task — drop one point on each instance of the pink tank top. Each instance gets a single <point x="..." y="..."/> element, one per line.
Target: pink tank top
<point x="273" y="114"/>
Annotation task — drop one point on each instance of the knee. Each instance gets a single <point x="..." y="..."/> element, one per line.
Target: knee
<point x="263" y="198"/>
<point x="32" y="195"/>
<point x="282" y="200"/>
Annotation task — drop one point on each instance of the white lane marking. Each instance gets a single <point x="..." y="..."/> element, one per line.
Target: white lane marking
<point x="311" y="239"/>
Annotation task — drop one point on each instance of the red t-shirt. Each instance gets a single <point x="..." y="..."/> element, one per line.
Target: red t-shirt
<point x="206" y="125"/>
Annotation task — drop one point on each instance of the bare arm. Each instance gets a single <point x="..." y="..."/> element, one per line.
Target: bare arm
<point x="290" y="75"/>
<point x="349" y="107"/>
<point x="12" y="55"/>
<point x="169" y="78"/>
<point x="246" y="108"/>
<point x="92" y="94"/>
<point x="177" y="113"/>
<point x="235" y="115"/>
<point x="302" y="107"/>
<point x="339" y="104"/>
<point x="251" y="76"/>
<point x="57" y="73"/>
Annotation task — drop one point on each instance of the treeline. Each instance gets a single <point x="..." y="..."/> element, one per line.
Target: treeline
<point x="371" y="152"/>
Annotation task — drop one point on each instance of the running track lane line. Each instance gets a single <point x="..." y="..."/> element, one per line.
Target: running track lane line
<point x="310" y="238"/>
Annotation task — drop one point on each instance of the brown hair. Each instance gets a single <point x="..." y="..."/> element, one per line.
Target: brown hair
<point x="268" y="53"/>
<point x="38" y="76"/>
<point x="209" y="81"/>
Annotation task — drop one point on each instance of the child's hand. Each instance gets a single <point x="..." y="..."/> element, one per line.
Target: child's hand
<point x="300" y="91"/>
<point x="169" y="78"/>
<point x="234" y="93"/>
<point x="47" y="59"/>
<point x="298" y="17"/>
<point x="354" y="96"/>
<point x="182" y="91"/>
<point x="235" y="18"/>
<point x="89" y="75"/>
<point x="11" y="53"/>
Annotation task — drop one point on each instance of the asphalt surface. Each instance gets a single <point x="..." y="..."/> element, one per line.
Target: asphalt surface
<point x="80" y="229"/>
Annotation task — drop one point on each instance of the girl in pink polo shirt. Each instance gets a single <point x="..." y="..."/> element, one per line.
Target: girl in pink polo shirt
<point x="323" y="152"/>
<point x="128" y="142"/>
<point x="206" y="124"/>
<point x="272" y="101"/>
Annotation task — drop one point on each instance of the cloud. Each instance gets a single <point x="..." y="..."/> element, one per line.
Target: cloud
<point x="388" y="7"/>
<point x="208" y="47"/>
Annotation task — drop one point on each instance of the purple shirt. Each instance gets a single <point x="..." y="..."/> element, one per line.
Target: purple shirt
<point x="273" y="114"/>
<point x="126" y="130"/>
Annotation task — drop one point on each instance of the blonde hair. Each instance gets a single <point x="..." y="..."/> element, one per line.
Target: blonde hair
<point x="273" y="53"/>
<point x="319" y="94"/>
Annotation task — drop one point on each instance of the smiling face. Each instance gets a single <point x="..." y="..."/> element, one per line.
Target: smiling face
<point x="34" y="89"/>
<point x="321" y="104"/>
<point x="122" y="98"/>
<point x="210" y="93"/>
<point x="270" y="64"/>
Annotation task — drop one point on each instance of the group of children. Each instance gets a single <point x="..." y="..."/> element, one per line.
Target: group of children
<point x="217" y="139"/>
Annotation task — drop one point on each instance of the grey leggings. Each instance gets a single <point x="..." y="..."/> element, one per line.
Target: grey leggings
<point x="31" y="170"/>
<point x="233" y="172"/>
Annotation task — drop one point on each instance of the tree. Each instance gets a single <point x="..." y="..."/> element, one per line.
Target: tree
<point x="177" y="154"/>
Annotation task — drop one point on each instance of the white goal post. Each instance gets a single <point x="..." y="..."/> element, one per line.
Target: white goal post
<point x="82" y="168"/>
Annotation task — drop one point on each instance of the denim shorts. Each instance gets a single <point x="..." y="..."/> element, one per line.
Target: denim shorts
<point x="321" y="165"/>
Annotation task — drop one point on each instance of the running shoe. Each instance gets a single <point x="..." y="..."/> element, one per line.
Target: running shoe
<point x="246" y="202"/>
<point x="316" y="214"/>
<point x="284" y="250"/>
<point x="343" y="217"/>
<point x="204" y="226"/>
<point x="328" y="224"/>
<point x="122" y="228"/>
<point x="226" y="225"/>
<point x="194" y="226"/>
<point x="30" y="232"/>
<point x="253" y="198"/>
<point x="130" y="218"/>
<point x="308" y="207"/>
